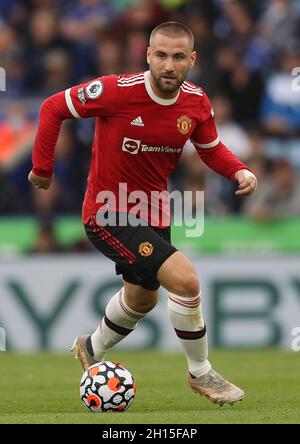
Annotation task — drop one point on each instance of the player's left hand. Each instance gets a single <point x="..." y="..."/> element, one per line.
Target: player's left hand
<point x="39" y="181"/>
<point x="247" y="182"/>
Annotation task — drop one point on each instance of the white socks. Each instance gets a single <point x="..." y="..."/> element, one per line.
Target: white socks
<point x="187" y="320"/>
<point x="119" y="320"/>
<point x="185" y="315"/>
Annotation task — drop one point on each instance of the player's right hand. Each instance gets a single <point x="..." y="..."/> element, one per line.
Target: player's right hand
<point x="39" y="182"/>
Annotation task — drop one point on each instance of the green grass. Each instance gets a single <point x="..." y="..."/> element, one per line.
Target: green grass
<point x="44" y="388"/>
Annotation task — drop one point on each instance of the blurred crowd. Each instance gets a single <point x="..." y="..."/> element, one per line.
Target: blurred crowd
<point x="247" y="51"/>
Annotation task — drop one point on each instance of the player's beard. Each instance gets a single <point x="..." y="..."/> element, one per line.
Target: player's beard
<point x="176" y="81"/>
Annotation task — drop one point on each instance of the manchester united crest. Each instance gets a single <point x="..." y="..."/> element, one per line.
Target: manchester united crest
<point x="145" y="248"/>
<point x="184" y="124"/>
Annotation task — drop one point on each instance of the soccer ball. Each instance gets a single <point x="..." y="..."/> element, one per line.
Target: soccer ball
<point x="107" y="387"/>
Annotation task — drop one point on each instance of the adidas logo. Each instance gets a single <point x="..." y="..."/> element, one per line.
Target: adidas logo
<point x="137" y="122"/>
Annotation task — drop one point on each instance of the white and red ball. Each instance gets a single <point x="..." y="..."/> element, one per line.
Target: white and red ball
<point x="107" y="387"/>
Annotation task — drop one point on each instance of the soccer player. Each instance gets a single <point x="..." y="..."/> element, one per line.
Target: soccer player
<point x="142" y="123"/>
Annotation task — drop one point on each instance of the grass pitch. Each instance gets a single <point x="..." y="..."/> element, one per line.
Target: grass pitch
<point x="44" y="388"/>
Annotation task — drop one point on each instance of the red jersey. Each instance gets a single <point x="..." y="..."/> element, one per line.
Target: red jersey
<point x="138" y="139"/>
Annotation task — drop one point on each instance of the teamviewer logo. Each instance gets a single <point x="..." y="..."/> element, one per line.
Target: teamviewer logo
<point x="131" y="146"/>
<point x="2" y="340"/>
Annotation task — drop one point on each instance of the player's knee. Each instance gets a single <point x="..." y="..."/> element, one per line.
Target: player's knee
<point x="142" y="303"/>
<point x="146" y="305"/>
<point x="193" y="286"/>
<point x="190" y="285"/>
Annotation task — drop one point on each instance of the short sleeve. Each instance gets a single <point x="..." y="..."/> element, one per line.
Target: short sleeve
<point x="96" y="98"/>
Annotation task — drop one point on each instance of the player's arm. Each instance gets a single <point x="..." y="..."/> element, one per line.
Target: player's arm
<point x="93" y="99"/>
<point x="219" y="158"/>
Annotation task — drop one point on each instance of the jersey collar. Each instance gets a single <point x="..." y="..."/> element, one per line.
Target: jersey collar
<point x="152" y="94"/>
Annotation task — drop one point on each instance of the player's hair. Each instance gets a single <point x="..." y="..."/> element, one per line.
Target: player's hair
<point x="173" y="29"/>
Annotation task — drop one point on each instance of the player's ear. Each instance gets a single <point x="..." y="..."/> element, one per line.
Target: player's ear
<point x="148" y="55"/>
<point x="193" y="59"/>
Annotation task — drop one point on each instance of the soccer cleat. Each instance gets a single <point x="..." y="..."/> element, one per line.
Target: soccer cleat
<point x="216" y="388"/>
<point x="80" y="350"/>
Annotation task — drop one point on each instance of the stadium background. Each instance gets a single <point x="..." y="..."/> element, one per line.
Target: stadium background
<point x="53" y="284"/>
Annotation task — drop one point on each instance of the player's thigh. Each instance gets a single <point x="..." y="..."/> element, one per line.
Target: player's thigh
<point x="138" y="298"/>
<point x="178" y="275"/>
